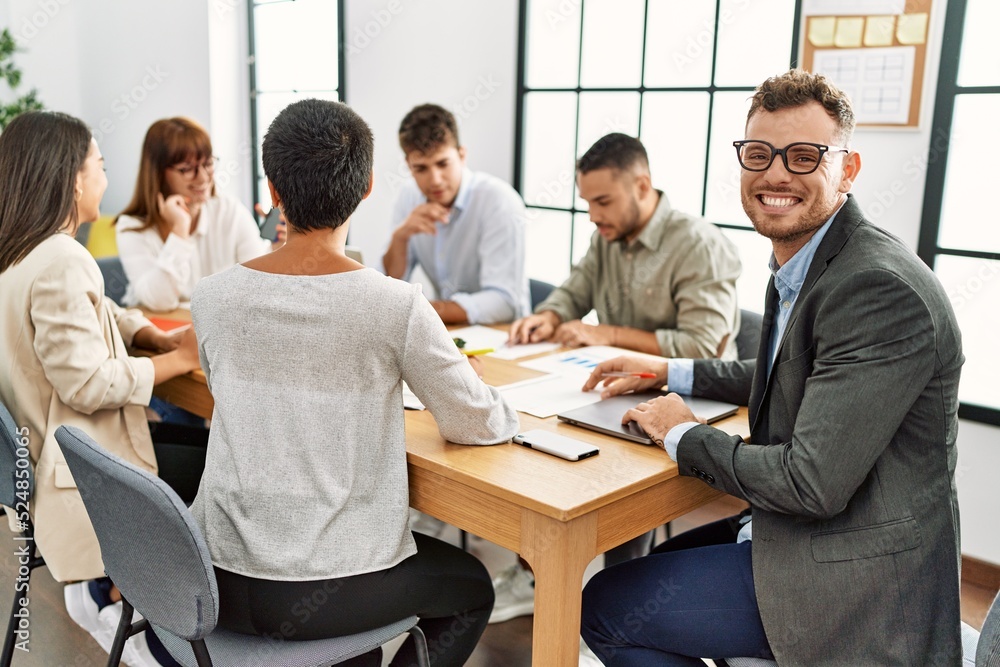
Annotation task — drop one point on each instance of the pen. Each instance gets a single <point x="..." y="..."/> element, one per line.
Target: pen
<point x="476" y="353"/>
<point x="623" y="374"/>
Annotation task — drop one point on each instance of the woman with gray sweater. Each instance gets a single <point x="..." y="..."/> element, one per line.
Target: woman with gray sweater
<point x="304" y="499"/>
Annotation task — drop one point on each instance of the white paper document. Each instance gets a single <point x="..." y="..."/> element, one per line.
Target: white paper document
<point x="581" y="362"/>
<point x="512" y="352"/>
<point x="478" y="337"/>
<point x="410" y="400"/>
<point x="548" y="395"/>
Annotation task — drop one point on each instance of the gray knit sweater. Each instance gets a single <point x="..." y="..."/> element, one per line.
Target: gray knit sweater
<point x="306" y="471"/>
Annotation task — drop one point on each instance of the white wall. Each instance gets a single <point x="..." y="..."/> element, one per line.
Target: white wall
<point x="462" y="55"/>
<point x="119" y="66"/>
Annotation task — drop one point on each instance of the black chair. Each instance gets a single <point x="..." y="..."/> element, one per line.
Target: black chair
<point x="17" y="485"/>
<point x="539" y="291"/>
<point x="748" y="338"/>
<point x="155" y="553"/>
<point x="115" y="282"/>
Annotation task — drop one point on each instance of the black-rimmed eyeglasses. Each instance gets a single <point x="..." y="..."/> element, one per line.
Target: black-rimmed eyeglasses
<point x="801" y="157"/>
<point x="190" y="171"/>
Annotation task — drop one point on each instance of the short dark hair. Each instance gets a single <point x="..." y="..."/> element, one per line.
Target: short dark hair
<point x="426" y="128"/>
<point x="614" y="151"/>
<point x="319" y="156"/>
<point x="797" y="87"/>
<point x="41" y="153"/>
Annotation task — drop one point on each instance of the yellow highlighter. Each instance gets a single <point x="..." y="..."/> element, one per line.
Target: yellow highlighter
<point x="476" y="353"/>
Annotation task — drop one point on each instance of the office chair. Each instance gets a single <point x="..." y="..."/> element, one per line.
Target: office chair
<point x="539" y="290"/>
<point x="16" y="470"/>
<point x="748" y="337"/>
<point x="115" y="282"/>
<point x="155" y="553"/>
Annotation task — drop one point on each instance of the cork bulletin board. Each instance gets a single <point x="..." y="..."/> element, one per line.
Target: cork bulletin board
<point x="874" y="50"/>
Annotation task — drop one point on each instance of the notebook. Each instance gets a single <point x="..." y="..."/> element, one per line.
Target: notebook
<point x="606" y="416"/>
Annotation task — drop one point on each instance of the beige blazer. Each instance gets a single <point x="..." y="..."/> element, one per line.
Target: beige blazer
<point x="63" y="360"/>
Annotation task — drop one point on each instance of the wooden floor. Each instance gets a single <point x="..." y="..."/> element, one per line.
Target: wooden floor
<point x="58" y="642"/>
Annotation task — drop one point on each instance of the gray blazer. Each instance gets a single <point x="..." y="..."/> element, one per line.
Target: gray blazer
<point x="851" y="462"/>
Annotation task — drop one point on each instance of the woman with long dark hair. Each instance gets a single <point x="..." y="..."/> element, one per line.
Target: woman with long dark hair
<point x="63" y="354"/>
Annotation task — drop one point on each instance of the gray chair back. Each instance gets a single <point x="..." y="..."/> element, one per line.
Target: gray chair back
<point x="156" y="555"/>
<point x="151" y="546"/>
<point x="748" y="337"/>
<point x="115" y="282"/>
<point x="539" y="290"/>
<point x="12" y="465"/>
<point x="988" y="650"/>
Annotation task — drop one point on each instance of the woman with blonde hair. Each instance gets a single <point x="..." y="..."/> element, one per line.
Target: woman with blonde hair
<point x="177" y="228"/>
<point x="63" y="354"/>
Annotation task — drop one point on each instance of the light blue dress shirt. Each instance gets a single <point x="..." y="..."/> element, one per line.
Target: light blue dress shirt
<point x="477" y="259"/>
<point x="788" y="280"/>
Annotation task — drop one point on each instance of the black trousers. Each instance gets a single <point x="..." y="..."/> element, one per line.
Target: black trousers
<point x="180" y="456"/>
<point x="447" y="588"/>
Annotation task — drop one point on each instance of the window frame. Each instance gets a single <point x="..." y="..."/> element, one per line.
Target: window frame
<point x="523" y="90"/>
<point x="948" y="90"/>
<point x="255" y="157"/>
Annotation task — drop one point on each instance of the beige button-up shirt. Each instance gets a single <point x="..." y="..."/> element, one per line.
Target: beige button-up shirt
<point x="677" y="279"/>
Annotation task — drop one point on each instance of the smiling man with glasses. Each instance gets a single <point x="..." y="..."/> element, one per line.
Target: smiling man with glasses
<point x="852" y="554"/>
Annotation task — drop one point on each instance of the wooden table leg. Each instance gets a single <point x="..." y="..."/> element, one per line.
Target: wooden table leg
<point x="558" y="553"/>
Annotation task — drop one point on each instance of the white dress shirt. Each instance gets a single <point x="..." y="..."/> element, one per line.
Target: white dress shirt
<point x="162" y="274"/>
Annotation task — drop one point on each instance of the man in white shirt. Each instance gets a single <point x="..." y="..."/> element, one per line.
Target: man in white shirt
<point x="465" y="229"/>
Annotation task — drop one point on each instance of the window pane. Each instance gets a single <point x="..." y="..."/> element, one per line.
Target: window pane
<point x="755" y="251"/>
<point x="295" y="45"/>
<point x="549" y="142"/>
<point x="980" y="63"/>
<point x="722" y="203"/>
<point x="674" y="130"/>
<point x="604" y="113"/>
<point x="553" y="44"/>
<point x="755" y="40"/>
<point x="963" y="215"/>
<point x="546" y="255"/>
<point x="612" y="43"/>
<point x="680" y="36"/>
<point x="583" y="230"/>
<point x="270" y="105"/>
<point x="974" y="288"/>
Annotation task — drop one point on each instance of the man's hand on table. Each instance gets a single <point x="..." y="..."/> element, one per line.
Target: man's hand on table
<point x="533" y="328"/>
<point x="615" y="386"/>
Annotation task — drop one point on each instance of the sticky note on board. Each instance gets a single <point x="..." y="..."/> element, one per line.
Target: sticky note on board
<point x="849" y="32"/>
<point x="878" y="30"/>
<point x="821" y="30"/>
<point x="911" y="29"/>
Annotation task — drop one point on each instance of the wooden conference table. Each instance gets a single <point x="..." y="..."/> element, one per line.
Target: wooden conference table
<point x="558" y="515"/>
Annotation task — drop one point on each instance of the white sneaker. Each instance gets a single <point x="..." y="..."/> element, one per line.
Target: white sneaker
<point x="515" y="594"/>
<point x="136" y="652"/>
<point x="82" y="608"/>
<point x="426" y="524"/>
<point x="587" y="657"/>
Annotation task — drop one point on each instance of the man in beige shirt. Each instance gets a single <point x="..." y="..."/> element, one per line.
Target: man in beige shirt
<point x="661" y="281"/>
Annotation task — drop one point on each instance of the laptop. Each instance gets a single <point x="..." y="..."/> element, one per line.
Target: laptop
<point x="606" y="416"/>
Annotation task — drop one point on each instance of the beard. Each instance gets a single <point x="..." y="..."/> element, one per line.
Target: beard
<point x="631" y="223"/>
<point x="780" y="229"/>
